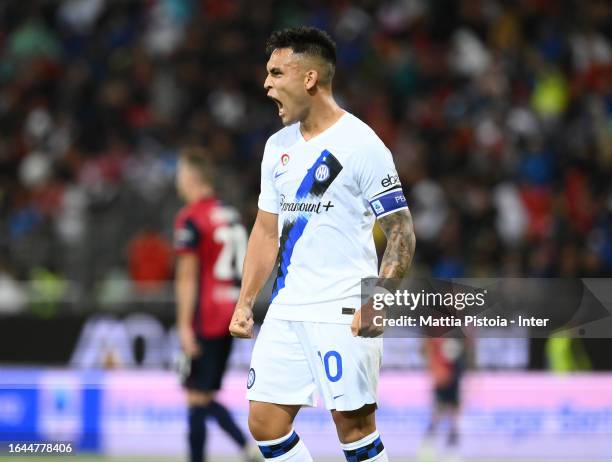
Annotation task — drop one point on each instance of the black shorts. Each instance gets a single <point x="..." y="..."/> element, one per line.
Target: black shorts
<point x="206" y="370"/>
<point x="449" y="394"/>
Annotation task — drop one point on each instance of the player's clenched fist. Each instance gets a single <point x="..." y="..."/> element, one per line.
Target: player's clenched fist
<point x="364" y="324"/>
<point x="241" y="325"/>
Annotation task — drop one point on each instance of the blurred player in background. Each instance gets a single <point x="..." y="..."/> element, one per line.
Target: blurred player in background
<point x="210" y="242"/>
<point x="325" y="178"/>
<point x="447" y="360"/>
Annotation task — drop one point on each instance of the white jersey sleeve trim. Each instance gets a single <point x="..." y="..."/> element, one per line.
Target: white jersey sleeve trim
<point x="378" y="217"/>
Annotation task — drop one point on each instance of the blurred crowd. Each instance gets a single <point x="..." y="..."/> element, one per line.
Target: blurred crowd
<point x="498" y="113"/>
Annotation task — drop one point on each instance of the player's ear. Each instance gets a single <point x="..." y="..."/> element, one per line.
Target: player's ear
<point x="311" y="79"/>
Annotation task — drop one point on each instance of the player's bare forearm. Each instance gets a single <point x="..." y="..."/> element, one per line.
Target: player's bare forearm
<point x="401" y="242"/>
<point x="260" y="258"/>
<point x="259" y="261"/>
<point x="185" y="288"/>
<point x="395" y="264"/>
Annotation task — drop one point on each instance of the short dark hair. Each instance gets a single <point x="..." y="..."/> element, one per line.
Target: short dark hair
<point x="307" y="40"/>
<point x="200" y="161"/>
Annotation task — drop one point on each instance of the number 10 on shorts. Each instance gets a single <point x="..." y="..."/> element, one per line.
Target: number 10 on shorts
<point x="327" y="363"/>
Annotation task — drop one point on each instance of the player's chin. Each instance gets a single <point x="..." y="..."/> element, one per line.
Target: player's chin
<point x="286" y="119"/>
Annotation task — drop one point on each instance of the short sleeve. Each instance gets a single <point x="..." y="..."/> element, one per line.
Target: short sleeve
<point x="186" y="235"/>
<point x="268" y="197"/>
<point x="378" y="179"/>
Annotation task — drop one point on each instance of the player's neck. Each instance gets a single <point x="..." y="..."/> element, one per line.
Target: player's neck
<point x="322" y="115"/>
<point x="200" y="193"/>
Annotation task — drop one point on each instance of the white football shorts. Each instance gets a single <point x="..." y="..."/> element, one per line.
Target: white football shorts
<point x="292" y="360"/>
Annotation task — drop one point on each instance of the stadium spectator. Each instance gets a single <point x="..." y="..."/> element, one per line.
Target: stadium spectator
<point x="149" y="260"/>
<point x="13" y="298"/>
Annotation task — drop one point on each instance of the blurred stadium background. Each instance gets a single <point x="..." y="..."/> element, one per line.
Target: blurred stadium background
<point x="499" y="115"/>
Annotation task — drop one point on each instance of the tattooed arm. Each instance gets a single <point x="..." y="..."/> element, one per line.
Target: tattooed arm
<point x="395" y="263"/>
<point x="400" y="244"/>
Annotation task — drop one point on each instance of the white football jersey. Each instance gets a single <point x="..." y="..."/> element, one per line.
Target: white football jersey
<point x="327" y="192"/>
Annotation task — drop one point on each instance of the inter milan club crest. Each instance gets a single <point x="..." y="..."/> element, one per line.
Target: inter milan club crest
<point x="285" y="159"/>
<point x="322" y="173"/>
<point x="251" y="379"/>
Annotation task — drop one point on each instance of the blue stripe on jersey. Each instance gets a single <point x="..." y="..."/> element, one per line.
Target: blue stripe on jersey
<point x="308" y="181"/>
<point x="292" y="231"/>
<point x="296" y="229"/>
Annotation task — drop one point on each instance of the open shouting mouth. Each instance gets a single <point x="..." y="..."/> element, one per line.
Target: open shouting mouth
<point x="279" y="103"/>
